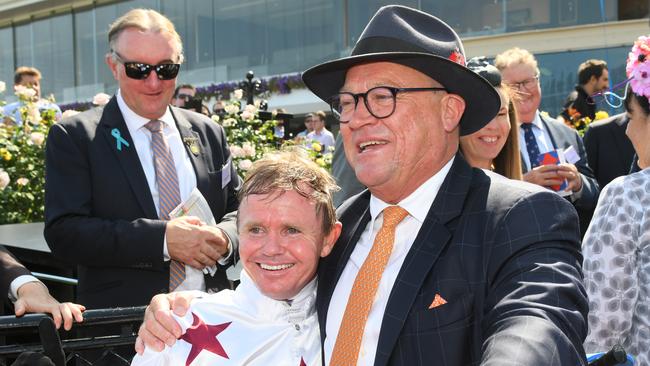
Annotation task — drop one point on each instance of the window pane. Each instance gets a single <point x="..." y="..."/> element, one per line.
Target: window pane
<point x="7" y="59"/>
<point x="559" y="74"/>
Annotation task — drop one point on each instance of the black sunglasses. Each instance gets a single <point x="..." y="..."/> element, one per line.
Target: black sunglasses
<point x="140" y="70"/>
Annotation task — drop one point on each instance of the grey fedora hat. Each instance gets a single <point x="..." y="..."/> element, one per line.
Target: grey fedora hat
<point x="423" y="42"/>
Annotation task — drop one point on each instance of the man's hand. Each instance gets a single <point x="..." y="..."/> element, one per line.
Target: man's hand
<point x="571" y="174"/>
<point x="33" y="297"/>
<point x="194" y="243"/>
<point x="544" y="175"/>
<point x="159" y="327"/>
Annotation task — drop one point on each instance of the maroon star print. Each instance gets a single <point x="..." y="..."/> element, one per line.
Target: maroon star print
<point x="203" y="337"/>
<point x="302" y="362"/>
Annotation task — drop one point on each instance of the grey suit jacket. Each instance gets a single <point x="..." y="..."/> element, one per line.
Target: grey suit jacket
<point x="562" y="137"/>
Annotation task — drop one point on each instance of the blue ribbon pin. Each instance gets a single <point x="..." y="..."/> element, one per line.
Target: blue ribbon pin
<point x="119" y="140"/>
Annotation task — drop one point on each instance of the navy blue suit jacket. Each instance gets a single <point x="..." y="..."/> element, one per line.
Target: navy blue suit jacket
<point x="10" y="269"/>
<point x="609" y="150"/>
<point x="99" y="213"/>
<point x="506" y="257"/>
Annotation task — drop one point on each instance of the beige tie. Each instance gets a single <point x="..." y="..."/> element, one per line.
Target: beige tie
<point x="169" y="195"/>
<point x="362" y="296"/>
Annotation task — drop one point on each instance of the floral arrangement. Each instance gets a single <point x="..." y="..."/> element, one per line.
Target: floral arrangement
<point x="248" y="136"/>
<point x="282" y="84"/>
<point x="579" y="123"/>
<point x="22" y="160"/>
<point x="314" y="151"/>
<point x="638" y="71"/>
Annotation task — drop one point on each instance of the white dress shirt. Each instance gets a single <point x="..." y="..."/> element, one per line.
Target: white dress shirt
<point x="261" y="331"/>
<point x="542" y="137"/>
<point x="417" y="204"/>
<point x="17" y="283"/>
<point x="186" y="177"/>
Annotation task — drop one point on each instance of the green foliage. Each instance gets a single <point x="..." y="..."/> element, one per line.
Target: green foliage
<point x="22" y="163"/>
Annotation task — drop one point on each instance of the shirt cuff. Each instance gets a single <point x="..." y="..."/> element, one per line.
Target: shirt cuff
<point x="17" y="283"/>
<point x="578" y="194"/>
<point x="166" y="256"/>
<point x="226" y="258"/>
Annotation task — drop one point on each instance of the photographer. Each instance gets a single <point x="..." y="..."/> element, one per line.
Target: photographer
<point x="185" y="97"/>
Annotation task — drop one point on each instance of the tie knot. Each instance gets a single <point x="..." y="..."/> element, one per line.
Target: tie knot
<point x="393" y="215"/>
<point x="527" y="126"/>
<point x="154" y="126"/>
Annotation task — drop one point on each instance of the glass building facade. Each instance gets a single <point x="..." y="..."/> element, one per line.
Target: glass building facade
<point x="224" y="38"/>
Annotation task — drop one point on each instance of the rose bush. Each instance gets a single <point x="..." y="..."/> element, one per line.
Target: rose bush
<point x="22" y="161"/>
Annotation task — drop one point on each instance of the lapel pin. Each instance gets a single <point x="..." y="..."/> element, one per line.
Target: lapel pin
<point x="192" y="143"/>
<point x="119" y="140"/>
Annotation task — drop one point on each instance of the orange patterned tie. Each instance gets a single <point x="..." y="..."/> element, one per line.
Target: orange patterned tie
<point x="169" y="195"/>
<point x="362" y="296"/>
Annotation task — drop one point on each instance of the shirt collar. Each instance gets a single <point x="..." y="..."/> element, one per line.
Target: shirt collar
<point x="293" y="311"/>
<point x="417" y="203"/>
<point x="134" y="121"/>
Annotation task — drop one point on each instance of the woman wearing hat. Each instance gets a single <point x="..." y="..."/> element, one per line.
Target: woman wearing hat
<point x="616" y="246"/>
<point x="496" y="146"/>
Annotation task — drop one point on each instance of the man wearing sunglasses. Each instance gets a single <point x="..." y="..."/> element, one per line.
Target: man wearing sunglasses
<point x="115" y="173"/>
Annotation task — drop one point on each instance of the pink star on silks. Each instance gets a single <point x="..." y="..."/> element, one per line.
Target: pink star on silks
<point x="203" y="337"/>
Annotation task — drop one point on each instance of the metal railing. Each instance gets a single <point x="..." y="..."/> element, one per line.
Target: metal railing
<point x="125" y="320"/>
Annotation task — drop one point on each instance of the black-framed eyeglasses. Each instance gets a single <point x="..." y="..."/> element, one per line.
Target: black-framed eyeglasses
<point x="525" y="84"/>
<point x="380" y="101"/>
<point x="610" y="96"/>
<point x="140" y="70"/>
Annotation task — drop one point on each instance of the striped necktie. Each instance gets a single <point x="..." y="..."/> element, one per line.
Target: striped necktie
<point x="362" y="296"/>
<point x="168" y="190"/>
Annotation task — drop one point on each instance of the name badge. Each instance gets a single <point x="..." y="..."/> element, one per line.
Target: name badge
<point x="225" y="173"/>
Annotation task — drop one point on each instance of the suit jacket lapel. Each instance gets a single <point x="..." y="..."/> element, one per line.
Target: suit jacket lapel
<point x="431" y="240"/>
<point x="550" y="129"/>
<point x="111" y="120"/>
<point x="355" y="217"/>
<point x="195" y="149"/>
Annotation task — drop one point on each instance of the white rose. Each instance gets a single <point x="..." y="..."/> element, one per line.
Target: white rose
<point x="33" y="114"/>
<point x="231" y="109"/>
<point x="215" y="118"/>
<point x="238" y="94"/>
<point x="101" y="99"/>
<point x="251" y="108"/>
<point x="247" y="116"/>
<point x="24" y="92"/>
<point x="236" y="151"/>
<point x="22" y="181"/>
<point x="4" y="179"/>
<point x="229" y="122"/>
<point x="248" y="149"/>
<point x="69" y="113"/>
<point x="245" y="164"/>
<point x="3" y="86"/>
<point x="37" y="138"/>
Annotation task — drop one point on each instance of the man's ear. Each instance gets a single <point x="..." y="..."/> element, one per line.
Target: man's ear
<point x="452" y="109"/>
<point x="330" y="239"/>
<point x="112" y="64"/>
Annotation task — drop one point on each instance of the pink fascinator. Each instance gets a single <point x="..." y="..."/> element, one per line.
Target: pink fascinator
<point x="638" y="71"/>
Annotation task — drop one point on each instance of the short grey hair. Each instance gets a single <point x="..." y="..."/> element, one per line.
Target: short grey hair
<point x="145" y="20"/>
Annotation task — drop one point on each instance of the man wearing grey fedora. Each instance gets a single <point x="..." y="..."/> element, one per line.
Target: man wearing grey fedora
<point x="438" y="263"/>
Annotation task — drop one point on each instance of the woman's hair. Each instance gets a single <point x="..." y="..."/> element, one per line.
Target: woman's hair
<point x="508" y="161"/>
<point x="643" y="101"/>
